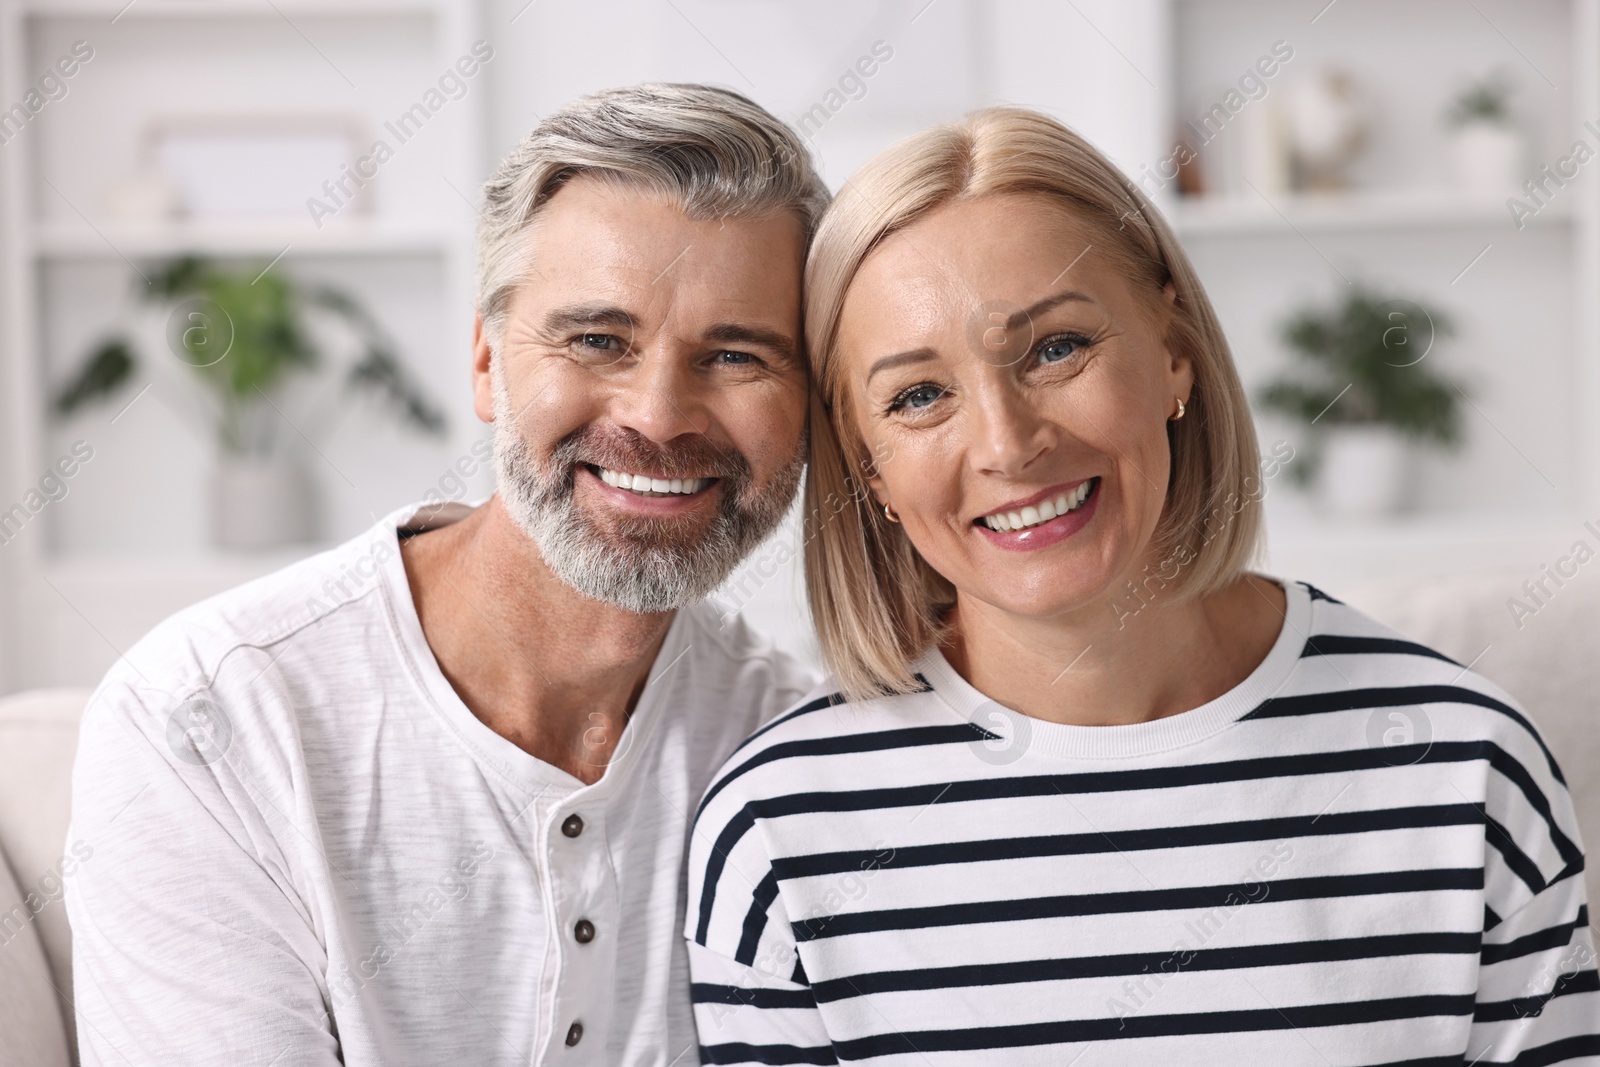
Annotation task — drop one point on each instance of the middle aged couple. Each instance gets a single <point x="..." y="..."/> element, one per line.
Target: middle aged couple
<point x="1077" y="785"/>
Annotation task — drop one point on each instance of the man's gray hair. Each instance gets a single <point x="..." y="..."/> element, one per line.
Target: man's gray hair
<point x="715" y="153"/>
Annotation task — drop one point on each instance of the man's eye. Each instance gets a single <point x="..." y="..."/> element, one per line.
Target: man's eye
<point x="602" y="342"/>
<point x="736" y="358"/>
<point x="1060" y="349"/>
<point x="916" y="397"/>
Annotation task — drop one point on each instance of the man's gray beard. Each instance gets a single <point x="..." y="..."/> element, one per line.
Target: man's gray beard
<point x="645" y="565"/>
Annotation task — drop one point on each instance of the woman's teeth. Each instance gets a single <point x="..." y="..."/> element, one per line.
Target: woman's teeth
<point x="1044" y="511"/>
<point x="647" y="486"/>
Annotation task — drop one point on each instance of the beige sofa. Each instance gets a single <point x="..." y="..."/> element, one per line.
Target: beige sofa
<point x="1548" y="664"/>
<point x="38" y="736"/>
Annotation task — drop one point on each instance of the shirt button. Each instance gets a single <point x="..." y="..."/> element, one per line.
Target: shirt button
<point x="572" y="827"/>
<point x="584" y="931"/>
<point x="574" y="1034"/>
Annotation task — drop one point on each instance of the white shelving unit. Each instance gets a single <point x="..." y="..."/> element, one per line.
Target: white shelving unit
<point x="1527" y="337"/>
<point x="89" y="574"/>
<point x="1357" y="212"/>
<point x="94" y="570"/>
<point x="54" y="241"/>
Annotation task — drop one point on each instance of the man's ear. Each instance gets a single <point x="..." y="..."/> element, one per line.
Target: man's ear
<point x="482" y="384"/>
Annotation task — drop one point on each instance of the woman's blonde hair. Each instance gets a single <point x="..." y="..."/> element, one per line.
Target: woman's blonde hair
<point x="876" y="603"/>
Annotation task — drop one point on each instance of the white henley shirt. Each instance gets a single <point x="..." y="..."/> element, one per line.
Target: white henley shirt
<point x="308" y="851"/>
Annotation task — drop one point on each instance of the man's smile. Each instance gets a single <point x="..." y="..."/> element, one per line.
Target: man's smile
<point x="650" y="485"/>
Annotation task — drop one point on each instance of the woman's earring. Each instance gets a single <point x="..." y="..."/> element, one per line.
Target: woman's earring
<point x="889" y="514"/>
<point x="1179" y="415"/>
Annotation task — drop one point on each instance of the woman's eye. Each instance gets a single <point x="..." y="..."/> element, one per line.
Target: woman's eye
<point x="918" y="396"/>
<point x="1059" y="349"/>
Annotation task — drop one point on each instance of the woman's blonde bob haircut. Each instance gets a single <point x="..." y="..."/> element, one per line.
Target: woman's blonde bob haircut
<point x="876" y="603"/>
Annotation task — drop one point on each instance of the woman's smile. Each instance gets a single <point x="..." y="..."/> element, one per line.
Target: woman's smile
<point x="1046" y="518"/>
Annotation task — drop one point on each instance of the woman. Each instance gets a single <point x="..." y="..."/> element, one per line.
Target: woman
<point x="1082" y="785"/>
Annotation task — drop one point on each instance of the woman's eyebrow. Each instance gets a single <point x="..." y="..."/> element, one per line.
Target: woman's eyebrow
<point x="915" y="355"/>
<point x="1018" y="318"/>
<point x="1040" y="307"/>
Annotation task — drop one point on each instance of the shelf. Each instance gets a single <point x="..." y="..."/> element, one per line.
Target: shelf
<point x="119" y="10"/>
<point x="209" y="567"/>
<point x="1255" y="215"/>
<point x="61" y="241"/>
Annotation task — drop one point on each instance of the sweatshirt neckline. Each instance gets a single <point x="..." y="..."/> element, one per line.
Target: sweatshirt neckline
<point x="1022" y="735"/>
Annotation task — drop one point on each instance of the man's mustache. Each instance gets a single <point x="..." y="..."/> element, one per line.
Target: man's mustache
<point x="632" y="452"/>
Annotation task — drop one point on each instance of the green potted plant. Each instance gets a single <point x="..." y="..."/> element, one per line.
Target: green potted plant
<point x="1364" y="390"/>
<point x="257" y="377"/>
<point x="1485" y="145"/>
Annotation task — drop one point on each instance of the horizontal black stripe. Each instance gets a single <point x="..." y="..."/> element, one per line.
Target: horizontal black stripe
<point x="1299" y="1017"/>
<point x="997" y="788"/>
<point x="964" y="733"/>
<point x="1504" y="1011"/>
<point x="1397" y="696"/>
<point x="1161" y="964"/>
<point x="711" y="993"/>
<point x="1352" y="645"/>
<point x="832" y="700"/>
<point x="742" y="1053"/>
<point x="1538" y="941"/>
<point x="1568" y="1048"/>
<point x="1094" y="842"/>
<point x="971" y="913"/>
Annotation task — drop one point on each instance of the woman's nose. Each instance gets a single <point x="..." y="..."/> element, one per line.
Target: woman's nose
<point x="1008" y="435"/>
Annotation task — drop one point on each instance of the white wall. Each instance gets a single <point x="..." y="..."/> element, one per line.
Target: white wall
<point x="1124" y="72"/>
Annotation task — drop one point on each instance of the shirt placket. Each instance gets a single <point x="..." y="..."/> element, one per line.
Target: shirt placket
<point x="584" y="919"/>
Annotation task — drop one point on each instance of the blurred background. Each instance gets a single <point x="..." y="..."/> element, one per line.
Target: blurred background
<point x="236" y="263"/>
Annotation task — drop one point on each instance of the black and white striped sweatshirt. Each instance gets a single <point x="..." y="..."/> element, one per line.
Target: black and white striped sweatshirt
<point x="1362" y="854"/>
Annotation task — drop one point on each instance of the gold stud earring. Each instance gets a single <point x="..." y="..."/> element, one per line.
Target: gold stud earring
<point x="1179" y="415"/>
<point x="889" y="514"/>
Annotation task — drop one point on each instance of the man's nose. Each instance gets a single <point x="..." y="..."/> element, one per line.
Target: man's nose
<point x="661" y="397"/>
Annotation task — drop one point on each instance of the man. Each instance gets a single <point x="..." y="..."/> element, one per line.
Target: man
<point x="425" y="798"/>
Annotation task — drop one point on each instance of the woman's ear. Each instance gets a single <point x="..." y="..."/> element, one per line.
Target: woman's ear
<point x="872" y="475"/>
<point x="1180" y="368"/>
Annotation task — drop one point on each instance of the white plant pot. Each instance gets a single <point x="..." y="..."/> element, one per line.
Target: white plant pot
<point x="260" y="503"/>
<point x="1365" y="472"/>
<point x="1487" y="158"/>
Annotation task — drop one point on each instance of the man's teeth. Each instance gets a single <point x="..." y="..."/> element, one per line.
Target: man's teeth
<point x="1044" y="511"/>
<point x="642" y="483"/>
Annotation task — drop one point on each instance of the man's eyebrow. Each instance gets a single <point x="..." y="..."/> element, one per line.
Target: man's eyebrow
<point x="739" y="333"/>
<point x="915" y="355"/>
<point x="581" y="316"/>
